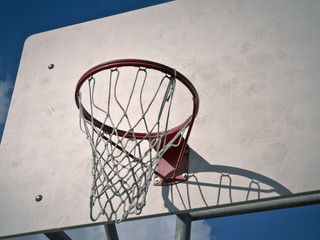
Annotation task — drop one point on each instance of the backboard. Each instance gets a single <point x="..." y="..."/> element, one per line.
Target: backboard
<point x="255" y="67"/>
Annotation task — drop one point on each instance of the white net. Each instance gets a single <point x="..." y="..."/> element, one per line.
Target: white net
<point x="130" y="138"/>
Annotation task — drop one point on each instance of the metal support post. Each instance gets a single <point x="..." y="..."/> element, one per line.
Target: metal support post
<point x="61" y="235"/>
<point x="183" y="226"/>
<point x="294" y="200"/>
<point x="111" y="231"/>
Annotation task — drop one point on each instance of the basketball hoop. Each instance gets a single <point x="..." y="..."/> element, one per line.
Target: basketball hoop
<point x="125" y="160"/>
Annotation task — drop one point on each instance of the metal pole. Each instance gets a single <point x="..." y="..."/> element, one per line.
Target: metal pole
<point x="183" y="226"/>
<point x="111" y="231"/>
<point x="61" y="235"/>
<point x="289" y="201"/>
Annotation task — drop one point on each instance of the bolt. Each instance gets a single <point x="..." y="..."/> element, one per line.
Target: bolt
<point x="38" y="198"/>
<point x="156" y="180"/>
<point x="51" y="66"/>
<point x="184" y="175"/>
<point x="186" y="150"/>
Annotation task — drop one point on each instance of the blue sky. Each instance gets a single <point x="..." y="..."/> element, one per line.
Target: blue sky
<point x="20" y="19"/>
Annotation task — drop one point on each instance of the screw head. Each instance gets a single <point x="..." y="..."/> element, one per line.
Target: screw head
<point x="38" y="198"/>
<point x="51" y="66"/>
<point x="156" y="180"/>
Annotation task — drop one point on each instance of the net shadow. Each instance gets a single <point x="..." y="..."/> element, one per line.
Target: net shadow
<point x="219" y="185"/>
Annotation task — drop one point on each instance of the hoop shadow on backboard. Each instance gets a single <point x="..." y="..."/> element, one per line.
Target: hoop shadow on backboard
<point x="213" y="185"/>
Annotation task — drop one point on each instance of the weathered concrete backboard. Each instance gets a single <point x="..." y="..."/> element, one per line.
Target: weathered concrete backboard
<point x="255" y="65"/>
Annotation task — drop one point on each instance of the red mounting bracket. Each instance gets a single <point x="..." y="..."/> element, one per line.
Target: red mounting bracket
<point x="164" y="174"/>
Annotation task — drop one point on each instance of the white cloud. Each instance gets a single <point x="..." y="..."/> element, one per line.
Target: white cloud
<point x="95" y="232"/>
<point x="152" y="228"/>
<point x="31" y="237"/>
<point x="160" y="228"/>
<point x="5" y="89"/>
<point x="200" y="230"/>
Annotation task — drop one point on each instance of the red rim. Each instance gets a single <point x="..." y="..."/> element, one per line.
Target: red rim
<point x="145" y="64"/>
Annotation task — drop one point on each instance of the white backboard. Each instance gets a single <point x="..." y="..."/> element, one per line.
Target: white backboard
<point x="255" y="65"/>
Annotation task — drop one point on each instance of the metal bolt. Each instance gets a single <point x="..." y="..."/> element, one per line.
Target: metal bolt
<point x="156" y="180"/>
<point x="184" y="175"/>
<point x="186" y="150"/>
<point x="38" y="198"/>
<point x="51" y="66"/>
